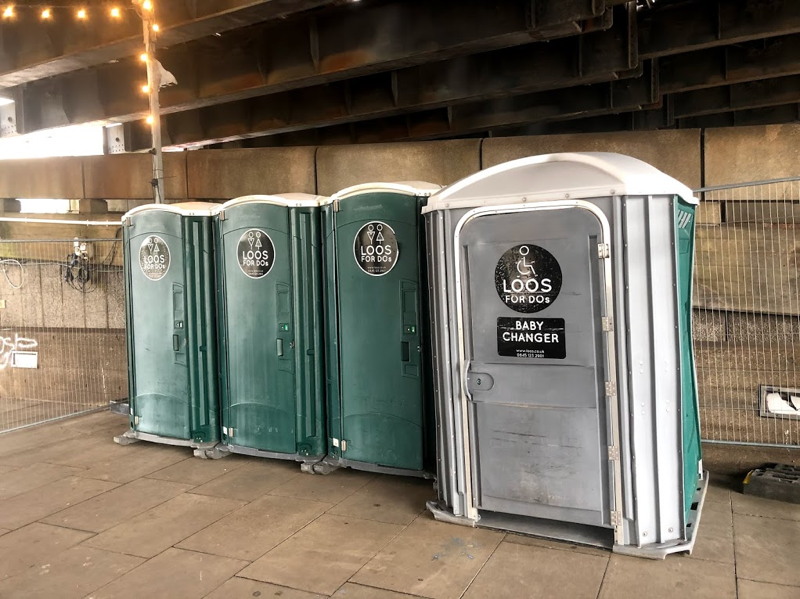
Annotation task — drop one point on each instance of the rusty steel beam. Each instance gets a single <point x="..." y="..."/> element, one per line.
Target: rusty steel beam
<point x="773" y="115"/>
<point x="752" y="61"/>
<point x="467" y="119"/>
<point x="354" y="40"/>
<point x="31" y="50"/>
<point x="596" y="57"/>
<point x="742" y="96"/>
<point x="679" y="28"/>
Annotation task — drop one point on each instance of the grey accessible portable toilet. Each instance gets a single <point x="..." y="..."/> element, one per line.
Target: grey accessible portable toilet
<point x="564" y="379"/>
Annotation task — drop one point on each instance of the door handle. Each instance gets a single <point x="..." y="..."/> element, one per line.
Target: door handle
<point x="279" y="347"/>
<point x="176" y="342"/>
<point x="405" y="352"/>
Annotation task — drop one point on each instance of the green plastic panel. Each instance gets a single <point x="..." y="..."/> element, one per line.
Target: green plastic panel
<point x="685" y="224"/>
<point x="376" y="387"/>
<point x="270" y="323"/>
<point x="171" y="326"/>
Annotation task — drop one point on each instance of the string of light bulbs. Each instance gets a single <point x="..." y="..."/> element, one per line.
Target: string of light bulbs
<point x="47" y="11"/>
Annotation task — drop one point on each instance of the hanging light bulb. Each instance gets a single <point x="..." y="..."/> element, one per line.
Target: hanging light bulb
<point x="147" y="5"/>
<point x="145" y="89"/>
<point x="115" y="12"/>
<point x="156" y="27"/>
<point x="8" y="12"/>
<point x="46" y="14"/>
<point x="81" y="15"/>
<point x="143" y="56"/>
<point x="149" y="119"/>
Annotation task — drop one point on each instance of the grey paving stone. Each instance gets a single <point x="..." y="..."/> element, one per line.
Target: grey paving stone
<point x="766" y="549"/>
<point x="157" y="529"/>
<point x="249" y="532"/>
<point x="635" y="578"/>
<point x="24" y="479"/>
<point x="392" y="499"/>
<point x="516" y="570"/>
<point x="332" y="488"/>
<point x="50" y="498"/>
<point x="35" y="544"/>
<point x="751" y="505"/>
<point x="324" y="555"/>
<point x="357" y="591"/>
<point x="71" y="574"/>
<point x="194" y="471"/>
<point x="431" y="559"/>
<point x="118" y="505"/>
<point x="252" y="480"/>
<point x="242" y="587"/>
<point x="174" y="574"/>
<point x="749" y="589"/>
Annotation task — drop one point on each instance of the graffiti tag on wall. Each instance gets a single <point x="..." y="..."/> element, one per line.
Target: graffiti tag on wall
<point x="8" y="345"/>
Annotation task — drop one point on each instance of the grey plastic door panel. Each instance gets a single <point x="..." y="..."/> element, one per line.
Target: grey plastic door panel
<point x="531" y="288"/>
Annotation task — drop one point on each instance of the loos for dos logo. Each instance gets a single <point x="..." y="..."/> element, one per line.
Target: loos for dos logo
<point x="527" y="278"/>
<point x="154" y="257"/>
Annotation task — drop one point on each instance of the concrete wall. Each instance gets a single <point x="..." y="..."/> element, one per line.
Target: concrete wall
<point x="676" y="153"/>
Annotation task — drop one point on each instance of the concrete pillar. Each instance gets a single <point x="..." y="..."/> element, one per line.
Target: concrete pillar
<point x="9" y="205"/>
<point x="92" y="206"/>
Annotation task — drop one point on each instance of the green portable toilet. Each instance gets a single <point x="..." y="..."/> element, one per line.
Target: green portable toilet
<point x="172" y="363"/>
<point x="378" y="413"/>
<point x="269" y="267"/>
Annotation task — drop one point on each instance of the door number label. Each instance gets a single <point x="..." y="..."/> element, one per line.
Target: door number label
<point x="531" y="337"/>
<point x="375" y="248"/>
<point x="255" y="253"/>
<point x="154" y="257"/>
<point x="527" y="278"/>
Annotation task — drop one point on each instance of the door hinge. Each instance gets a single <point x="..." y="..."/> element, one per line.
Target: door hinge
<point x="611" y="389"/>
<point x="336" y="205"/>
<point x="608" y="324"/>
<point x="613" y="452"/>
<point x="227" y="431"/>
<point x="221" y="215"/>
<point x="344" y="445"/>
<point x="616" y="518"/>
<point x="136" y="420"/>
<point x="603" y="250"/>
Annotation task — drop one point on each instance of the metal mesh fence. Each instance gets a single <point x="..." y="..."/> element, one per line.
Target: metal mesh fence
<point x="62" y="328"/>
<point x="747" y="313"/>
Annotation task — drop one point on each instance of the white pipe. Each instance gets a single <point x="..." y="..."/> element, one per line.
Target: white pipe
<point x="54" y="221"/>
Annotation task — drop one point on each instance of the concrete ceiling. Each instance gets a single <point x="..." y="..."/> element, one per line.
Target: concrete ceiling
<point x="255" y="73"/>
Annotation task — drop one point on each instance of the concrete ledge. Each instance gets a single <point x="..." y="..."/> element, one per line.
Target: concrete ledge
<point x="440" y="162"/>
<point x="227" y="174"/>
<point x="675" y="152"/>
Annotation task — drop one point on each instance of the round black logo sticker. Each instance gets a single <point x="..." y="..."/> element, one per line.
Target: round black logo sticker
<point x="255" y="253"/>
<point x="527" y="278"/>
<point x="154" y="257"/>
<point x="375" y="248"/>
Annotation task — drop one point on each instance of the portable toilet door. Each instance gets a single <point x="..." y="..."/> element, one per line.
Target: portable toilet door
<point x="378" y="417"/>
<point x="270" y="326"/>
<point x="172" y="366"/>
<point x="564" y="378"/>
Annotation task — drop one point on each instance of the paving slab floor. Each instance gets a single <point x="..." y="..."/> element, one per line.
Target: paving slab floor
<point x="83" y="517"/>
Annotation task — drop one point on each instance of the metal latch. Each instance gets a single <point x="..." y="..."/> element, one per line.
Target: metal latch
<point x="608" y="323"/>
<point x="611" y="389"/>
<point x="603" y="250"/>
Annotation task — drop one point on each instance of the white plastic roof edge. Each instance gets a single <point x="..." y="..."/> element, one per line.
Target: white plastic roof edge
<point x="411" y="188"/>
<point x="292" y="200"/>
<point x="182" y="208"/>
<point x="633" y="177"/>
